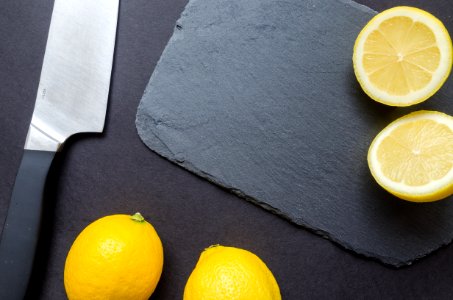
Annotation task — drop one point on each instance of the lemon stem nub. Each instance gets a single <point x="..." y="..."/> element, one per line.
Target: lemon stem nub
<point x="137" y="217"/>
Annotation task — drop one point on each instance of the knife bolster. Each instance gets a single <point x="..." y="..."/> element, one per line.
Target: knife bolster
<point x="39" y="140"/>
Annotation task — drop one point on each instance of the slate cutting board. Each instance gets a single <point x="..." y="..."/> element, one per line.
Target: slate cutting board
<point x="259" y="97"/>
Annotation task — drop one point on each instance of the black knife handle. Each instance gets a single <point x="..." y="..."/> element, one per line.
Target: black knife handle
<point x="20" y="232"/>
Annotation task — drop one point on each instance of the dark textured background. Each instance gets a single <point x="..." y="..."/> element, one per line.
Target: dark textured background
<point x="97" y="175"/>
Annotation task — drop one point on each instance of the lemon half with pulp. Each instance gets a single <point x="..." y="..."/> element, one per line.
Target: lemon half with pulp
<point x="412" y="157"/>
<point x="402" y="56"/>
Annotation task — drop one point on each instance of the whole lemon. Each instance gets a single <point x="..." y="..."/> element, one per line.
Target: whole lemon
<point x="228" y="273"/>
<point x="115" y="257"/>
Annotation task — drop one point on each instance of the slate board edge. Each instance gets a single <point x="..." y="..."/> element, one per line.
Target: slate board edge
<point x="359" y="6"/>
<point x="387" y="261"/>
<point x="155" y="143"/>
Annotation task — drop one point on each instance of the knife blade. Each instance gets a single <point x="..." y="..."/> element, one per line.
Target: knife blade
<point x="71" y="98"/>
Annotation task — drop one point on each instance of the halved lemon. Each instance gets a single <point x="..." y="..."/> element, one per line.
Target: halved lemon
<point x="412" y="157"/>
<point x="402" y="56"/>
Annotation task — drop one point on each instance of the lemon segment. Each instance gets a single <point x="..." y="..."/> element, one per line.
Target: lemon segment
<point x="412" y="157"/>
<point x="402" y="56"/>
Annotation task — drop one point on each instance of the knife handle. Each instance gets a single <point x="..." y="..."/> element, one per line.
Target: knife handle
<point x="20" y="232"/>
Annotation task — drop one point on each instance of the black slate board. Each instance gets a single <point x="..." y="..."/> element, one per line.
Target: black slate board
<point x="260" y="97"/>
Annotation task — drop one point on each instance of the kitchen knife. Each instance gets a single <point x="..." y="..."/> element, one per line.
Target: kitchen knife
<point x="71" y="98"/>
